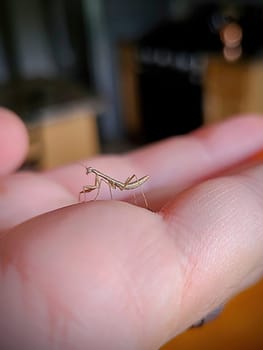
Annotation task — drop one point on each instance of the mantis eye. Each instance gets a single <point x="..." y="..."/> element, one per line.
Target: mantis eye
<point x="88" y="170"/>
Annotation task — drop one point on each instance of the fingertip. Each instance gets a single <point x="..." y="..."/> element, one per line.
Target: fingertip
<point x="13" y="141"/>
<point x="237" y="124"/>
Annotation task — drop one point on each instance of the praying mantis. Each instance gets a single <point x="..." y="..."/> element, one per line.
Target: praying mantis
<point x="132" y="182"/>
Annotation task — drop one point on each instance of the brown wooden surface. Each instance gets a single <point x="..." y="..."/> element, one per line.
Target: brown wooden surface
<point x="129" y="88"/>
<point x="69" y="139"/>
<point x="232" y="88"/>
<point x="240" y="326"/>
<point x="66" y="136"/>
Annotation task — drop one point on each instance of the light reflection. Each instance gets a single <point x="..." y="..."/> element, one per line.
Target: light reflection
<point x="231" y="36"/>
<point x="232" y="54"/>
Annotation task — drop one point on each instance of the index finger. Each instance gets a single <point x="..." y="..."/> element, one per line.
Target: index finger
<point x="176" y="163"/>
<point x="13" y="142"/>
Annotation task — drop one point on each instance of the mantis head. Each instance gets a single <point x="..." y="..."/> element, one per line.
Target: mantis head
<point x="88" y="170"/>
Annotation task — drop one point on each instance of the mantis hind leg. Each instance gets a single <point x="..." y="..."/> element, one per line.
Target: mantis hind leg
<point x="129" y="179"/>
<point x="110" y="191"/>
<point x="145" y="200"/>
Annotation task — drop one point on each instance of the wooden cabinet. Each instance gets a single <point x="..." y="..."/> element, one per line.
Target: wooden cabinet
<point x="232" y="88"/>
<point x="63" y="135"/>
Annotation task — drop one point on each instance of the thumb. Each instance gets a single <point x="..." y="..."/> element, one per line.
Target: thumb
<point x="217" y="227"/>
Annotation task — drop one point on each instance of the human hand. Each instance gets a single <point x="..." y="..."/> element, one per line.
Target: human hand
<point x="111" y="275"/>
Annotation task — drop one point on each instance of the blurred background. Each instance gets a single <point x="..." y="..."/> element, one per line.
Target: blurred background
<point x="99" y="76"/>
<point x="106" y="76"/>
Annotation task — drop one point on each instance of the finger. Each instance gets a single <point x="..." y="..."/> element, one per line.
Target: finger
<point x="25" y="194"/>
<point x="117" y="276"/>
<point x="203" y="154"/>
<point x="13" y="142"/>
<point x="219" y="232"/>
<point x="176" y="163"/>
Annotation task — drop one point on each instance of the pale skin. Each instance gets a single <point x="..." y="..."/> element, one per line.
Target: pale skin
<point x="112" y="275"/>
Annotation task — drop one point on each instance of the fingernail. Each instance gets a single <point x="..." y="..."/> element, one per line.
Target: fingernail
<point x="210" y="317"/>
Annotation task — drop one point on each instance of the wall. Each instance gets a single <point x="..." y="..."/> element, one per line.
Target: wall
<point x="108" y="22"/>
